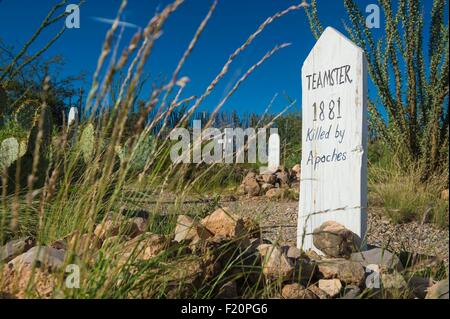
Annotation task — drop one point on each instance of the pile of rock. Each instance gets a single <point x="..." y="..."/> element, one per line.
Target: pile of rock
<point x="344" y="271"/>
<point x="222" y="254"/>
<point x="118" y="237"/>
<point x="271" y="184"/>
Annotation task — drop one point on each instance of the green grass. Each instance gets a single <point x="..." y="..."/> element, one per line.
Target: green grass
<point x="402" y="193"/>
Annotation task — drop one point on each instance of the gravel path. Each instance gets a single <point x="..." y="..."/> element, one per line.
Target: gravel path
<point x="279" y="221"/>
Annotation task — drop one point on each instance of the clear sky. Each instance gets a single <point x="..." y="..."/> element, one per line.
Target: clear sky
<point x="231" y="24"/>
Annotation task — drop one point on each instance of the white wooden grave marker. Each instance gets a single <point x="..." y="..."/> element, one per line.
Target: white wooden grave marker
<point x="273" y="154"/>
<point x="73" y="116"/>
<point x="333" y="183"/>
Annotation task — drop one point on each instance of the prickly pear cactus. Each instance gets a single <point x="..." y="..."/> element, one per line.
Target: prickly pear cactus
<point x="9" y="152"/>
<point x="87" y="142"/>
<point x="27" y="114"/>
<point x="142" y="152"/>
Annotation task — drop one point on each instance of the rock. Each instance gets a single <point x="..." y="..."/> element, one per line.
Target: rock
<point x="16" y="247"/>
<point x="59" y="244"/>
<point x="137" y="226"/>
<point x="276" y="266"/>
<point x="351" y="292"/>
<point x="348" y="272"/>
<point x="223" y="222"/>
<point x="252" y="187"/>
<point x="419" y="286"/>
<point x="438" y="290"/>
<point x="250" y="175"/>
<point x="85" y="244"/>
<point x="283" y="178"/>
<point x="266" y="187"/>
<point x="143" y="247"/>
<point x="110" y="227"/>
<point x="117" y="224"/>
<point x="190" y="231"/>
<point x="444" y="194"/>
<point x="228" y="291"/>
<point x="378" y="256"/>
<point x="26" y="282"/>
<point x="296" y="291"/>
<point x="114" y="241"/>
<point x="319" y="293"/>
<point x="334" y="240"/>
<point x="313" y="255"/>
<point x="269" y="179"/>
<point x="275" y="193"/>
<point x="305" y="269"/>
<point x="332" y="287"/>
<point x="296" y="173"/>
<point x="293" y="252"/>
<point x="40" y="257"/>
<point x="182" y="277"/>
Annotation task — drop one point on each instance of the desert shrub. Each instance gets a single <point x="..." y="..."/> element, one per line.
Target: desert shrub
<point x="402" y="194"/>
<point x="411" y="78"/>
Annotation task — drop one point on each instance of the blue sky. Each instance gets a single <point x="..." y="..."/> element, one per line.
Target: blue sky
<point x="231" y="24"/>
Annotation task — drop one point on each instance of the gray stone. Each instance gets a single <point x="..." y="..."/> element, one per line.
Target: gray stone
<point x="348" y="272"/>
<point x="378" y="256"/>
<point x="276" y="266"/>
<point x="15" y="247"/>
<point x="269" y="178"/>
<point x="419" y="286"/>
<point x="41" y="257"/>
<point x="228" y="291"/>
<point x="351" y="292"/>
<point x="334" y="240"/>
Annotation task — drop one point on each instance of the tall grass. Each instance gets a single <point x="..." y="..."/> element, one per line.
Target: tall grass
<point x="402" y="193"/>
<point x="86" y="182"/>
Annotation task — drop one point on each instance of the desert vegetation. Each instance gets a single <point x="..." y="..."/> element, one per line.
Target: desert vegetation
<point x="102" y="192"/>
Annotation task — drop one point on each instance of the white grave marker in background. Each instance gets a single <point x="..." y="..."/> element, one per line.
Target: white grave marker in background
<point x="73" y="116"/>
<point x="334" y="138"/>
<point x="274" y="152"/>
<point x="273" y="155"/>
